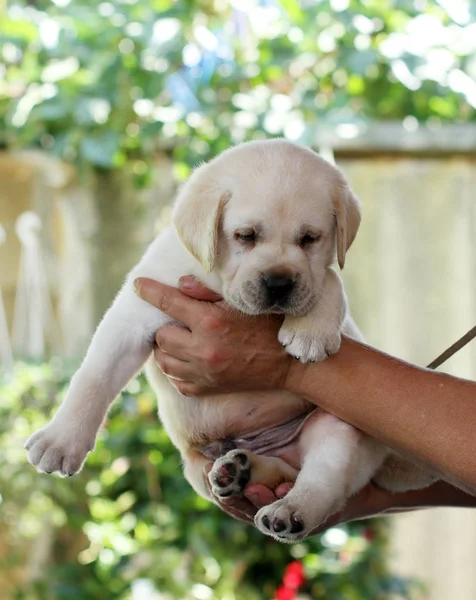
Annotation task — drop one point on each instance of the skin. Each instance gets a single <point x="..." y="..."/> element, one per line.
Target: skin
<point x="417" y="412"/>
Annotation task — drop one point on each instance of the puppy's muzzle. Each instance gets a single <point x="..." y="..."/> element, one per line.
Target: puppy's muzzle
<point x="278" y="289"/>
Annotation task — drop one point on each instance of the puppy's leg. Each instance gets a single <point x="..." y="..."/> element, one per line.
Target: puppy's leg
<point x="399" y="475"/>
<point x="119" y="348"/>
<point x="316" y="335"/>
<point x="232" y="473"/>
<point x="194" y="465"/>
<point x="338" y="461"/>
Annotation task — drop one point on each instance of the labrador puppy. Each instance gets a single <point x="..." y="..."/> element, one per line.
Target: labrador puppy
<point x="261" y="224"/>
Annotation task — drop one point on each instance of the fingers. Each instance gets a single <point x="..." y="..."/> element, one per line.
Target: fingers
<point x="192" y="287"/>
<point x="236" y="514"/>
<point x="238" y="508"/>
<point x="174" y="340"/>
<point x="259" y="495"/>
<point x="283" y="489"/>
<point x="245" y="508"/>
<point x="168" y="299"/>
<point x="172" y="367"/>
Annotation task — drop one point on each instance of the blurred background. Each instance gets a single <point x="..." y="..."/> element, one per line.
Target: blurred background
<point x="105" y="107"/>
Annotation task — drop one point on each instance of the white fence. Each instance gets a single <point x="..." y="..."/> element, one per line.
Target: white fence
<point x="411" y="279"/>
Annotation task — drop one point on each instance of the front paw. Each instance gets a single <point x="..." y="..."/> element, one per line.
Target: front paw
<point x="306" y="342"/>
<point x="283" y="521"/>
<point x="230" y="474"/>
<point x="59" y="448"/>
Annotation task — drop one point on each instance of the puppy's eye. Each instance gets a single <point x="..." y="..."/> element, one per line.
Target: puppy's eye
<point x="309" y="238"/>
<point x="246" y="236"/>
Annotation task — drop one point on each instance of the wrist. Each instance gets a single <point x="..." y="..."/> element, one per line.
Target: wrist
<point x="331" y="380"/>
<point x="300" y="377"/>
<point x="295" y="375"/>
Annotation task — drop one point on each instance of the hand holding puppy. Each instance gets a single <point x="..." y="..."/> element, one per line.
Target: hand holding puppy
<point x="221" y="351"/>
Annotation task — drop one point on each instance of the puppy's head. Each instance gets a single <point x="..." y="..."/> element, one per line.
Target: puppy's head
<point x="268" y="217"/>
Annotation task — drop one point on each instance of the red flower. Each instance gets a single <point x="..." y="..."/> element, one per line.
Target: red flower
<point x="294" y="575"/>
<point x="369" y="535"/>
<point x="284" y="593"/>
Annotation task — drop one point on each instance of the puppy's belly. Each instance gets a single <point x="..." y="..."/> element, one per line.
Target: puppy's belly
<point x="280" y="440"/>
<point x="264" y="422"/>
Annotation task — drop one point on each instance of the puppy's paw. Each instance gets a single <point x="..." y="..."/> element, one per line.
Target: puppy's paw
<point x="308" y="344"/>
<point x="283" y="521"/>
<point x="230" y="474"/>
<point x="58" y="448"/>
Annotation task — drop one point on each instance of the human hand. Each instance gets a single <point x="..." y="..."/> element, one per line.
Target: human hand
<point x="222" y="350"/>
<point x="369" y="502"/>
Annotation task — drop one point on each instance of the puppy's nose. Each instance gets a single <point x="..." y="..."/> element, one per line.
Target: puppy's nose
<point x="278" y="287"/>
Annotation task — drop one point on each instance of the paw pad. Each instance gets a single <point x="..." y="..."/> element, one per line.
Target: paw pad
<point x="230" y="474"/>
<point x="281" y="521"/>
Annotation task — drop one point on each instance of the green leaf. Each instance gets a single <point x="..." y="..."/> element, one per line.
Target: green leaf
<point x="55" y="109"/>
<point x="19" y="29"/>
<point x="293" y="8"/>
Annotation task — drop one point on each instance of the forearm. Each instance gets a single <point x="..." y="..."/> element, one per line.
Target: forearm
<point x="373" y="501"/>
<point x="428" y="416"/>
<point x="437" y="495"/>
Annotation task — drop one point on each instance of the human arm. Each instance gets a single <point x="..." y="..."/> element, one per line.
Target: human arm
<point x="427" y="416"/>
<point x="371" y="501"/>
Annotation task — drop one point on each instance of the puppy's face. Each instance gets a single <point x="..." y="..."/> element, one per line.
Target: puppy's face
<point x="274" y="245"/>
<point x="268" y="218"/>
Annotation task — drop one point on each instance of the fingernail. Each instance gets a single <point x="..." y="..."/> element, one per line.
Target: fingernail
<point x="188" y="282"/>
<point x="136" y="286"/>
<point x="253" y="498"/>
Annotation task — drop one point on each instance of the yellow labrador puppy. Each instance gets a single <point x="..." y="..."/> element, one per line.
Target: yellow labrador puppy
<point x="262" y="225"/>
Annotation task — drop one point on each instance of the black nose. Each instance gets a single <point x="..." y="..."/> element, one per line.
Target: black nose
<point x="278" y="287"/>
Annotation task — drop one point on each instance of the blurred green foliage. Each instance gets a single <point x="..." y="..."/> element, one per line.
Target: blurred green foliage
<point x="130" y="520"/>
<point x="108" y="83"/>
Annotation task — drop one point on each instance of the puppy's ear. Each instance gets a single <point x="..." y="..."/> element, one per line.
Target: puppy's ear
<point x="196" y="218"/>
<point x="347" y="214"/>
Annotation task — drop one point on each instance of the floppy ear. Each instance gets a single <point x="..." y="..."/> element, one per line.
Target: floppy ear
<point x="347" y="214"/>
<point x="197" y="216"/>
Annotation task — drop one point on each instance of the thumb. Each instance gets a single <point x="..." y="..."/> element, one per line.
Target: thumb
<point x="283" y="489"/>
<point x="194" y="288"/>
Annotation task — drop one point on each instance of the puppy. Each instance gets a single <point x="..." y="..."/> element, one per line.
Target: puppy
<point x="261" y="224"/>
